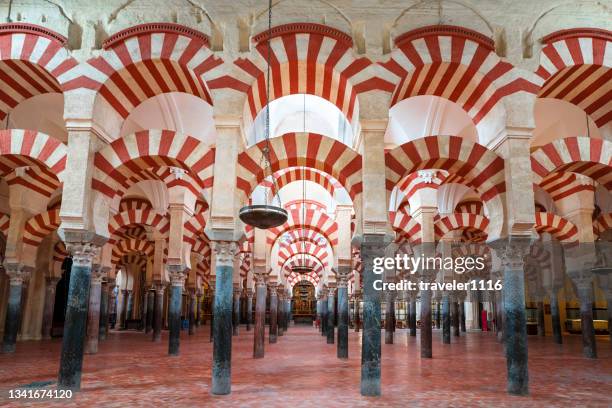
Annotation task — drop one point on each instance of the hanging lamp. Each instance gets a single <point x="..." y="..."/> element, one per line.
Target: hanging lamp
<point x="265" y="216"/>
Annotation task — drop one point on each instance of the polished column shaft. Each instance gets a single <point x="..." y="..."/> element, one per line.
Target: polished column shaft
<point x="556" y="318"/>
<point x="249" y="309"/>
<point x="446" y="323"/>
<point x="260" y="318"/>
<point x="236" y="310"/>
<point x="73" y="341"/>
<point x="413" y="319"/>
<point x="343" y="324"/>
<point x="222" y="326"/>
<point x="273" y="315"/>
<point x="47" y="321"/>
<point x="157" y="313"/>
<point x="13" y="313"/>
<point x="372" y="246"/>
<point x="331" y="329"/>
<point x="174" y="313"/>
<point x="426" y="333"/>
<point x="150" y="310"/>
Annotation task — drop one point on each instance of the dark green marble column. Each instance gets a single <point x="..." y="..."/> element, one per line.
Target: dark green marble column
<point x="389" y="316"/>
<point x="104" y="307"/>
<point x="556" y="318"/>
<point x="331" y="329"/>
<point x="357" y="317"/>
<point x="455" y="319"/>
<point x="324" y="313"/>
<point x="280" y="312"/>
<point x="249" y="309"/>
<point x="413" y="319"/>
<point x="17" y="275"/>
<point x="193" y="305"/>
<point x="426" y="329"/>
<point x="372" y="246"/>
<point x="73" y="341"/>
<point x="222" y="327"/>
<point x="177" y="280"/>
<point x="158" y="311"/>
<point x="236" y="311"/>
<point x="512" y="251"/>
<point x="585" y="296"/>
<point x="93" y="311"/>
<point x="446" y="319"/>
<point x="150" y="310"/>
<point x="343" y="316"/>
<point x="273" y="315"/>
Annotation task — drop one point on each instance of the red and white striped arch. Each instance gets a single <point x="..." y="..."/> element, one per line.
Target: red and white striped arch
<point x="576" y="66"/>
<point x="165" y="175"/>
<point x="294" y="279"/>
<point x="194" y="227"/>
<point x="140" y="216"/>
<point x="455" y="63"/>
<point x="131" y="258"/>
<point x="150" y="149"/>
<point x="33" y="61"/>
<point x="470" y="207"/>
<point x="128" y="246"/>
<point x="59" y="254"/>
<point x="562" y="185"/>
<point x="560" y="228"/>
<point x="148" y="60"/>
<point x="306" y="58"/>
<point x="406" y="228"/>
<point x="482" y="169"/>
<point x="315" y="220"/>
<point x="309" y="150"/>
<point x="286" y="176"/>
<point x="461" y="221"/>
<point x="587" y="156"/>
<point x="43" y="154"/>
<point x="287" y="251"/>
<point x="412" y="183"/>
<point x="602" y="224"/>
<point x="39" y="226"/>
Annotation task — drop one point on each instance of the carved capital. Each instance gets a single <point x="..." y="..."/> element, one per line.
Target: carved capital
<point x="18" y="274"/>
<point x="97" y="274"/>
<point x="83" y="253"/>
<point x="225" y="251"/>
<point x="249" y="292"/>
<point x="512" y="251"/>
<point x="177" y="274"/>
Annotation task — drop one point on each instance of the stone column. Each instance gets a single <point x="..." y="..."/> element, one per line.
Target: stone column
<point x="585" y="296"/>
<point x="112" y="305"/>
<point x="249" y="309"/>
<point x="104" y="309"/>
<point x="389" y="316"/>
<point x="93" y="312"/>
<point x="273" y="314"/>
<point x="177" y="280"/>
<point x="511" y="252"/>
<point x="198" y="308"/>
<point x="541" y="328"/>
<point x="236" y="314"/>
<point x="579" y="262"/>
<point x="438" y="314"/>
<point x="462" y="313"/>
<point x="150" y="310"/>
<point x="280" y="312"/>
<point x="446" y="319"/>
<point x="343" y="311"/>
<point x="260" y="316"/>
<point x="71" y="361"/>
<point x="130" y="306"/>
<point x="47" y="321"/>
<point x="356" y="311"/>
<point x="372" y="246"/>
<point x="426" y="329"/>
<point x="331" y="301"/>
<point x="193" y="304"/>
<point x="556" y="319"/>
<point x="212" y="308"/>
<point x="455" y="319"/>
<point x="158" y="311"/>
<point x="123" y="314"/>
<point x="324" y="313"/>
<point x="413" y="319"/>
<point x="17" y="275"/>
<point x="222" y="327"/>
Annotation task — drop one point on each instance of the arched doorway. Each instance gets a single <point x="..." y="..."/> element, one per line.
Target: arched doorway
<point x="303" y="303"/>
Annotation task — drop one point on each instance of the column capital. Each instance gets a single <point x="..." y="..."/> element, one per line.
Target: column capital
<point x="249" y="292"/>
<point x="177" y="274"/>
<point x="260" y="279"/>
<point x="18" y="273"/>
<point x="225" y="251"/>
<point x="512" y="251"/>
<point x="83" y="253"/>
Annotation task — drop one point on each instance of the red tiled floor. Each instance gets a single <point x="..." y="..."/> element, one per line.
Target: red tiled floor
<point x="302" y="370"/>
